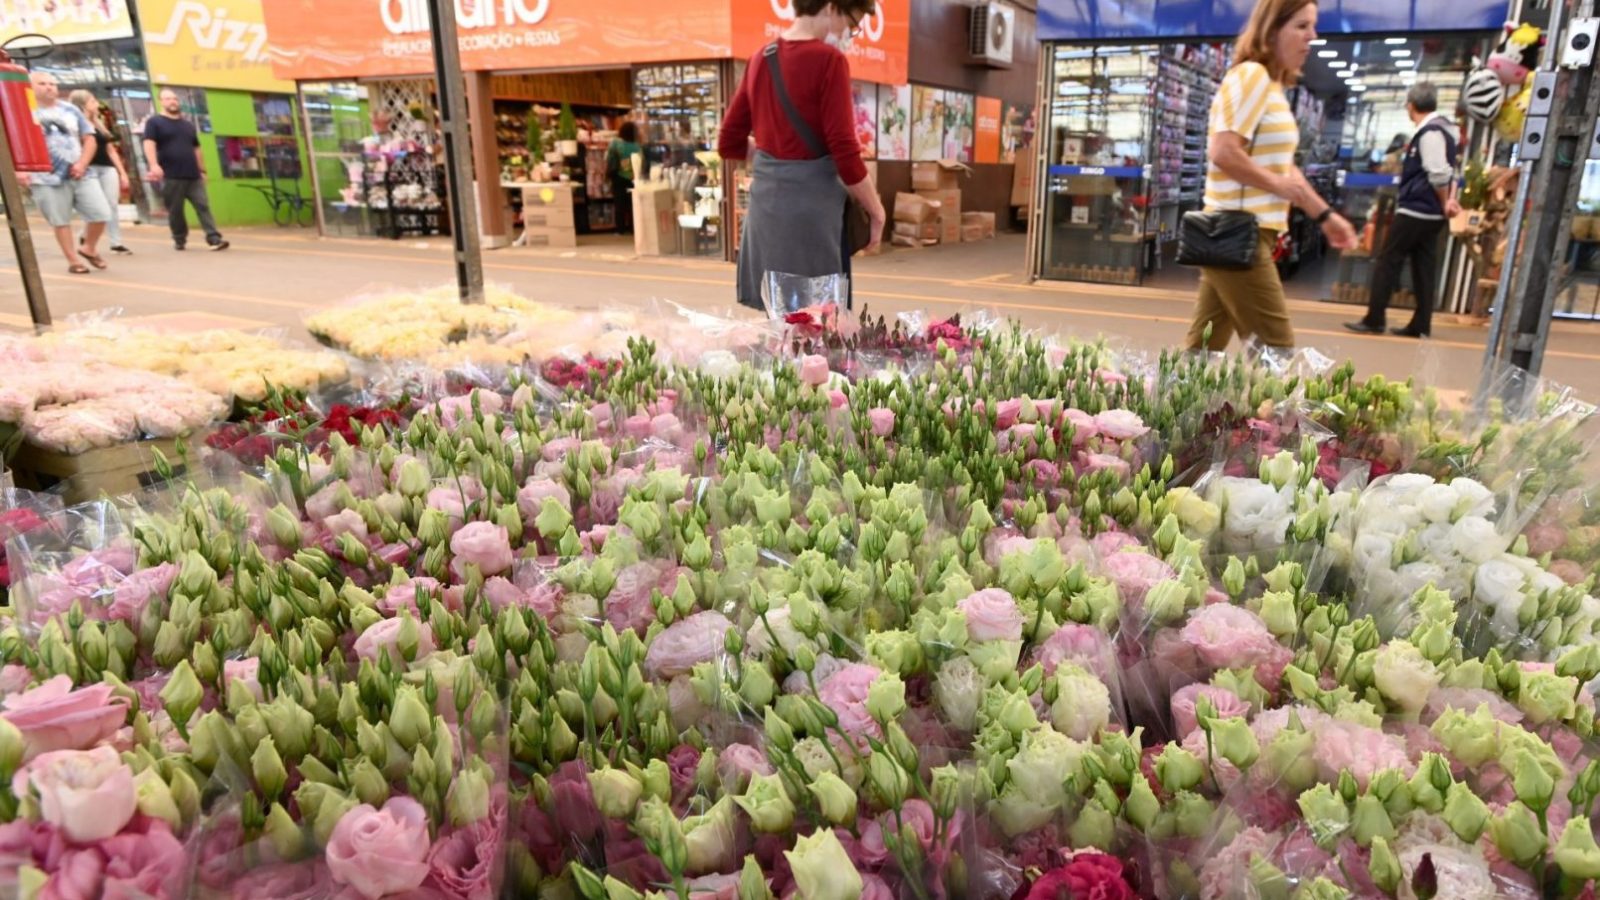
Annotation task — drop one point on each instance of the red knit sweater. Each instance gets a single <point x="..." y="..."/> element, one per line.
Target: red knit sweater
<point x="818" y="79"/>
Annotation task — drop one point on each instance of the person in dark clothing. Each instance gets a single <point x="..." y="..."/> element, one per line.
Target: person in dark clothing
<point x="1427" y="198"/>
<point x="619" y="168"/>
<point x="172" y="151"/>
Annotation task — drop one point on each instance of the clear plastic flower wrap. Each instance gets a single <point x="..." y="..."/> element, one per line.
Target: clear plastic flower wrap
<point x="784" y="294"/>
<point x="77" y="560"/>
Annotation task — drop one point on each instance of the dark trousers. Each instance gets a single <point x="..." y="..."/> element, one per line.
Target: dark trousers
<point x="174" y="191"/>
<point x="622" y="191"/>
<point x="1417" y="240"/>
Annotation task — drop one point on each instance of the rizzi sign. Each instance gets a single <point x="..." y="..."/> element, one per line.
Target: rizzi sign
<point x="213" y="30"/>
<point x="411" y="16"/>
<point x="871" y="24"/>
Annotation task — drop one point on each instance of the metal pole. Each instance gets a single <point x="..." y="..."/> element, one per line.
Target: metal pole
<point x="21" y="237"/>
<point x="457" y="156"/>
<point x="1502" y="292"/>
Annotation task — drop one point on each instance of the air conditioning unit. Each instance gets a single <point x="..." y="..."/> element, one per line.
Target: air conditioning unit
<point x="994" y="28"/>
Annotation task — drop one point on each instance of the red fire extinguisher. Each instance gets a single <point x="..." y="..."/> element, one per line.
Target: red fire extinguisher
<point x="17" y="104"/>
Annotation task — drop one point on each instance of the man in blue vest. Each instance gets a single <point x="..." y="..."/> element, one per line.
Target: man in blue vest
<point x="1427" y="198"/>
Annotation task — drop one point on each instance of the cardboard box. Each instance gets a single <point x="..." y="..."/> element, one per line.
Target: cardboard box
<point x="983" y="221"/>
<point x="564" y="238"/>
<point x="655" y="220"/>
<point x="1022" y="179"/>
<point x="907" y="229"/>
<point x="914" y="208"/>
<point x="547" y="217"/>
<point x="949" y="202"/>
<point x="973" y="233"/>
<point x="944" y="175"/>
<point x="555" y="194"/>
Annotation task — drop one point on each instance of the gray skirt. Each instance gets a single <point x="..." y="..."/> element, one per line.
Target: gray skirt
<point x="795" y="224"/>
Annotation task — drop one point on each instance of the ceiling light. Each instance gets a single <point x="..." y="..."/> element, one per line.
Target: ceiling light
<point x="1358" y="87"/>
<point x="1328" y="54"/>
<point x="1394" y="40"/>
<point x="1399" y="54"/>
<point x="1319" y="42"/>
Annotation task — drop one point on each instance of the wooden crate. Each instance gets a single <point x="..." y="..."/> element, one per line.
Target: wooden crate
<point x="108" y="471"/>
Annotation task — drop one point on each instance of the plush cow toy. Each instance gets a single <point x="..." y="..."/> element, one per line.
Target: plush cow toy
<point x="1513" y="62"/>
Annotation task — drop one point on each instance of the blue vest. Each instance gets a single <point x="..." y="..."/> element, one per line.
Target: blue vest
<point x="1417" y="194"/>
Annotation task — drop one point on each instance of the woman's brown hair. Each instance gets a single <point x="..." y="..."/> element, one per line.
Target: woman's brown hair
<point x="1261" y="33"/>
<point x="854" y="8"/>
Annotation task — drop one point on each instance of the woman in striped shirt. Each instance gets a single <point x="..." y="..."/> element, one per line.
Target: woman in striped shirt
<point x="1252" y="139"/>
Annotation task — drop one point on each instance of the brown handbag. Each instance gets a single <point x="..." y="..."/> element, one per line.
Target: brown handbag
<point x="857" y="221"/>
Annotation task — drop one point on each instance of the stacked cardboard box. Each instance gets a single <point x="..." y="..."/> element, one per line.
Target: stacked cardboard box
<point x="940" y="182"/>
<point x="977" y="226"/>
<point x="916" y="220"/>
<point x="655" y="219"/>
<point x="547" y="215"/>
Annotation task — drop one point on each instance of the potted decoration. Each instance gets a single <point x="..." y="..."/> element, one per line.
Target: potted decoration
<point x="567" y="132"/>
<point x="1474" y="193"/>
<point x="535" y="135"/>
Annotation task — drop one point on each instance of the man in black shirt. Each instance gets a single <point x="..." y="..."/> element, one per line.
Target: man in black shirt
<point x="172" y="150"/>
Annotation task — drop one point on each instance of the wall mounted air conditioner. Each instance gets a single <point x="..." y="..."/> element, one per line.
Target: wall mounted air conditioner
<point x="993" y="34"/>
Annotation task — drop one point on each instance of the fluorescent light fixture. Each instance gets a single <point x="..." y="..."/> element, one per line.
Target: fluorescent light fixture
<point x="1394" y="40"/>
<point x="1358" y="87"/>
<point x="1328" y="54"/>
<point x="1399" y="54"/>
<point x="1319" y="42"/>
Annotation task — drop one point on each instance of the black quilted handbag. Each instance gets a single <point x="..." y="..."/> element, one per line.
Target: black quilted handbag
<point x="1225" y="239"/>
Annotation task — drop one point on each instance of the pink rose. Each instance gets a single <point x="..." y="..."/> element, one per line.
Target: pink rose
<point x="636" y="426"/>
<point x="145" y="861"/>
<point x="1362" y="751"/>
<point x="572" y="802"/>
<point x="814" y="370"/>
<point x="347" y="522"/>
<point x="1228" y="636"/>
<point x="837" y="399"/>
<point x="503" y="595"/>
<point x="557" y="450"/>
<point x="404" y="595"/>
<point x="686" y="643"/>
<point x="245" y="671"/>
<point x="845" y="692"/>
<point x="76" y="874"/>
<point x="875" y="888"/>
<point x="1006" y="413"/>
<point x="481" y="544"/>
<point x="456" y="411"/>
<point x="1084" y="426"/>
<point x="738" y="763"/>
<point x="466" y="862"/>
<point x="992" y="615"/>
<point x="1120" y="424"/>
<point x="285" y="881"/>
<point x="882" y="420"/>
<point x="1544" y="537"/>
<point x="716" y="887"/>
<point x="137" y="590"/>
<point x="383" y="636"/>
<point x="449" y="501"/>
<point x="1108" y="542"/>
<point x="1107" y="376"/>
<point x="1105" y="462"/>
<point x="1045" y="472"/>
<point x="1227" y="703"/>
<point x="381" y="852"/>
<point x="1135" y="573"/>
<point x="1083" y="645"/>
<point x="628" y="605"/>
<point x="1568" y="571"/>
<point x="88" y="794"/>
<point x="53" y="716"/>
<point x="666" y="427"/>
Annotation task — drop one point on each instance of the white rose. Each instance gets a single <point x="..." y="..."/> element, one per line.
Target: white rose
<point x="1373" y="552"/>
<point x="1418" y="575"/>
<point x="1545" y="582"/>
<point x="1404" y="676"/>
<point x="1281" y="470"/>
<point x="1083" y="706"/>
<point x="1473" y="499"/>
<point x="1437" y="541"/>
<point x="1042" y="765"/>
<point x="959" y="688"/>
<point x="1392" y="520"/>
<point x="1498" y="585"/>
<point x="1477" y="540"/>
<point x="1016" y="812"/>
<point x="1408" y="483"/>
<point x="720" y="364"/>
<point x="1437" y="502"/>
<point x="1256" y="512"/>
<point x="760" y="640"/>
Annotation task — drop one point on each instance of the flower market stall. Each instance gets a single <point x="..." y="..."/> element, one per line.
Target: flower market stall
<point x="851" y="609"/>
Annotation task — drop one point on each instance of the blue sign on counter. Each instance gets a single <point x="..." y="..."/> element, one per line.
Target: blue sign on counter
<point x="1110" y="171"/>
<point x="1096" y="20"/>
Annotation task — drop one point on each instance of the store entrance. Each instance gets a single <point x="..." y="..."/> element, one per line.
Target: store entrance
<point x="1127" y="145"/>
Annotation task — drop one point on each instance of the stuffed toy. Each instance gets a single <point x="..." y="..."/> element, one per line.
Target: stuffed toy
<point x="1517" y="54"/>
<point x="1483" y="95"/>
<point x="1511" y="64"/>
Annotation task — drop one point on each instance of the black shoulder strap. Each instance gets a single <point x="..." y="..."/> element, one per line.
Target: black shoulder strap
<point x="799" y="123"/>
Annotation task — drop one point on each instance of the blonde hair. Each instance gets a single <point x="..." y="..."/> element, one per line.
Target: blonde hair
<point x="80" y="98"/>
<point x="1256" y="42"/>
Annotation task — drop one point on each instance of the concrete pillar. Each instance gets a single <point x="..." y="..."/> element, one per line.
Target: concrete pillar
<point x="493" y="222"/>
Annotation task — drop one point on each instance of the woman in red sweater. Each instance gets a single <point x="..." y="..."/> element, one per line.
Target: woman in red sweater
<point x="807" y="157"/>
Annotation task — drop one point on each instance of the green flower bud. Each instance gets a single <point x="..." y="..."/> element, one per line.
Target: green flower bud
<point x="768" y="805"/>
<point x="368" y="783"/>
<point x="1178" y="769"/>
<point x="1370" y="820"/>
<point x="468" y="801"/>
<point x="267" y="766"/>
<point x="1384" y="866"/>
<point x="410" y="722"/>
<point x="616" y="792"/>
<point x="1576" y="852"/>
<point x="182" y="694"/>
<point x="287" y="840"/>
<point x="1233" y="740"/>
<point x="1517" y="835"/>
<point x="835" y="798"/>
<point x="1326" y="814"/>
<point x="1141" y="807"/>
<point x="1095" y="827"/>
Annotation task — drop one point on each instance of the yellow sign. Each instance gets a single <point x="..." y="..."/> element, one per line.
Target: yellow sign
<point x="209" y="43"/>
<point x="64" y="21"/>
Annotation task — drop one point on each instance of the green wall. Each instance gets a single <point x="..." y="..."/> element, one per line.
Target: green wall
<point x="233" y="201"/>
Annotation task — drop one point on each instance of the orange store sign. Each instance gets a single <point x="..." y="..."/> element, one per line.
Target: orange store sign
<point x="327" y="39"/>
<point x="880" y="52"/>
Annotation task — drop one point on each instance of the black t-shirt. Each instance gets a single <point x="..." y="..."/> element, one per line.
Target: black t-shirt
<point x="175" y="142"/>
<point x="102" y="147"/>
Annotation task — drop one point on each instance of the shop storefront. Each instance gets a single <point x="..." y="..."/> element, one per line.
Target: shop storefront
<point x="541" y="132"/>
<point x="1126" y="100"/>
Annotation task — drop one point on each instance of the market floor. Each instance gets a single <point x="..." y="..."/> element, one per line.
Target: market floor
<point x="274" y="277"/>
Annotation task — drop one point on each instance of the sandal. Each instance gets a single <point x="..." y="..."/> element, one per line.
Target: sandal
<point x="77" y="269"/>
<point x="95" y="261"/>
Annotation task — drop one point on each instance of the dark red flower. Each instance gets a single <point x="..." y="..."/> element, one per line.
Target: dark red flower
<point x="1087" y="876"/>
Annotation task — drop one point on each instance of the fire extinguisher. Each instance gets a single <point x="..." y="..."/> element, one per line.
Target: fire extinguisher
<point x="17" y="104"/>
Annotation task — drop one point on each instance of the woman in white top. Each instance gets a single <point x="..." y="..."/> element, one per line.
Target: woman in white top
<point x="1252" y="140"/>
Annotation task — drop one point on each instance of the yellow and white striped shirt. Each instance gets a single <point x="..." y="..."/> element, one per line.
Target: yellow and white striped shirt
<point x="1249" y="103"/>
